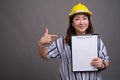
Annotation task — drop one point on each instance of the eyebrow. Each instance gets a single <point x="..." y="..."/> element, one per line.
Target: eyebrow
<point x="79" y="16"/>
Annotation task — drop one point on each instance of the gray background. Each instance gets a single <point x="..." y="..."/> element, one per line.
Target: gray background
<point x="22" y="23"/>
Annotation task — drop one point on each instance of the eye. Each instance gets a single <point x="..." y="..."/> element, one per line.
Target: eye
<point x="85" y="18"/>
<point x="77" y="19"/>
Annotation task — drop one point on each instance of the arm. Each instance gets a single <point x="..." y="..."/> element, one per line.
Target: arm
<point x="99" y="63"/>
<point x="42" y="50"/>
<point x="44" y="40"/>
<point x="103" y="61"/>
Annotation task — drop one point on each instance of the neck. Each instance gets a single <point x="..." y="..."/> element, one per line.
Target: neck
<point x="80" y="33"/>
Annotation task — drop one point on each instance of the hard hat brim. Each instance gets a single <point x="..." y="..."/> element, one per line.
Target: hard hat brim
<point x="88" y="12"/>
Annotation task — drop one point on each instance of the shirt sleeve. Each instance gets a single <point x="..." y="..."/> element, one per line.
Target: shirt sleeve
<point x="103" y="53"/>
<point x="53" y="50"/>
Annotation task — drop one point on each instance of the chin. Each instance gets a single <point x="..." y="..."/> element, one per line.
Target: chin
<point x="82" y="31"/>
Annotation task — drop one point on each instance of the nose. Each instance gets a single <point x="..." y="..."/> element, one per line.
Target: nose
<point x="81" y="21"/>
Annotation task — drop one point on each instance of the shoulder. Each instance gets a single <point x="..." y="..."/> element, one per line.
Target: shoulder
<point x="101" y="43"/>
<point x="100" y="39"/>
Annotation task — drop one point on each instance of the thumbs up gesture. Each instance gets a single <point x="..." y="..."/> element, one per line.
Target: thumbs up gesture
<point x="47" y="38"/>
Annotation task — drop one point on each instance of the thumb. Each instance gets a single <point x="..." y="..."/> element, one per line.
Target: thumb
<point x="46" y="31"/>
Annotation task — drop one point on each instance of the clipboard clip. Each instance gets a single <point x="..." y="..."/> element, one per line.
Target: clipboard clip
<point x="83" y="37"/>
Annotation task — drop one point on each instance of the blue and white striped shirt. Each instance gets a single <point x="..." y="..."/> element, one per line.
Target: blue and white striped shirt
<point x="59" y="49"/>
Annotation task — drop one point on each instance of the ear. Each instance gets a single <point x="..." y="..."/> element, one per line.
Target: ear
<point x="72" y="24"/>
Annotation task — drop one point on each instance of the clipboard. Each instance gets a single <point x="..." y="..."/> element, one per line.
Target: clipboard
<point x="84" y="49"/>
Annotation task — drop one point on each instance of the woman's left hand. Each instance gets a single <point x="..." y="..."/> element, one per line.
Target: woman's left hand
<point x="97" y="62"/>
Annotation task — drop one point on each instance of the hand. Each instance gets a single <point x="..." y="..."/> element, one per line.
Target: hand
<point x="97" y="62"/>
<point x="47" y="38"/>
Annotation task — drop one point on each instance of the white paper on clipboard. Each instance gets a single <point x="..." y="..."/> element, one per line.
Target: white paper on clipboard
<point x="84" y="49"/>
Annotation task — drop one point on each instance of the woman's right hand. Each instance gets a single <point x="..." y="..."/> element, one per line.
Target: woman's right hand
<point x="47" y="38"/>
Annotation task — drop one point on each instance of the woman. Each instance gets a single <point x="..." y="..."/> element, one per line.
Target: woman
<point x="79" y="24"/>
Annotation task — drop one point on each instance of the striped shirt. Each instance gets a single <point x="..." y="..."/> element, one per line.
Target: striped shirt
<point x="63" y="51"/>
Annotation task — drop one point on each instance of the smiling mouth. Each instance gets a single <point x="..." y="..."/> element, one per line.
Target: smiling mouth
<point x="81" y="27"/>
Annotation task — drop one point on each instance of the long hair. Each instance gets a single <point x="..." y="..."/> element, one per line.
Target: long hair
<point x="71" y="31"/>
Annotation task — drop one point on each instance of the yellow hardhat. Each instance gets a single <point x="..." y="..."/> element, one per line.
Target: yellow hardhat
<point x="79" y="8"/>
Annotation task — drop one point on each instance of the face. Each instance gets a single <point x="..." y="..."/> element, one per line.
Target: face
<point x="80" y="23"/>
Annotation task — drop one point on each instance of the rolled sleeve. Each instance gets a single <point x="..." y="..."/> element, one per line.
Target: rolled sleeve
<point x="52" y="51"/>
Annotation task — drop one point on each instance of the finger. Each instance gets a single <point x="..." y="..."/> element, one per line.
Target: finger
<point x="94" y="63"/>
<point x="46" y="31"/>
<point x="53" y="36"/>
<point x="50" y="41"/>
<point x="94" y="59"/>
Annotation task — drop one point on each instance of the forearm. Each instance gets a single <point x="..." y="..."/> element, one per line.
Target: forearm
<point x="42" y="50"/>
